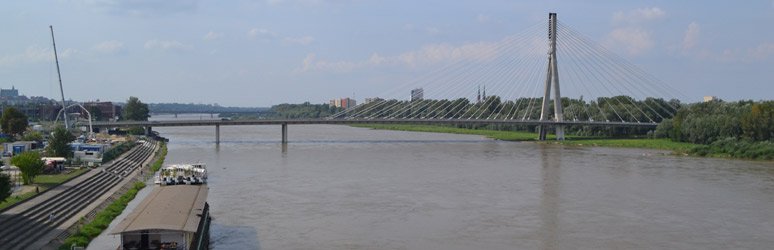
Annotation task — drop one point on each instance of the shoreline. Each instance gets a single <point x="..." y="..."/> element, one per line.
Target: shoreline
<point x="675" y="148"/>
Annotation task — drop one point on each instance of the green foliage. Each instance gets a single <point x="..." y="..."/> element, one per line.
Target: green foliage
<point x="704" y="123"/>
<point x="135" y="131"/>
<point x="29" y="164"/>
<point x="615" y="108"/>
<point x="304" y="110"/>
<point x="160" y="161"/>
<point x="732" y="147"/>
<point x="135" y="110"/>
<point x="13" y="121"/>
<point x="96" y="114"/>
<point x="102" y="220"/>
<point x="5" y="186"/>
<point x="59" y="143"/>
<point x="758" y="123"/>
<point x="116" y="151"/>
<point x="31" y="135"/>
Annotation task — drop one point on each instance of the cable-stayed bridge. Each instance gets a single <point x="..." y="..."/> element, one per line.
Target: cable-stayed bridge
<point x="515" y="81"/>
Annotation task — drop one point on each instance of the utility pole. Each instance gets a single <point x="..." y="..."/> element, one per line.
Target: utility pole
<point x="61" y="90"/>
<point x="552" y="78"/>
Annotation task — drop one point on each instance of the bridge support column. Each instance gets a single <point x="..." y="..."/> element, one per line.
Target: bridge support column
<point x="552" y="78"/>
<point x="148" y="131"/>
<point x="217" y="134"/>
<point x="284" y="133"/>
<point x="542" y="131"/>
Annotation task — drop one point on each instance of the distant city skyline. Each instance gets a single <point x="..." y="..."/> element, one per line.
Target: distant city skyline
<point x="261" y="53"/>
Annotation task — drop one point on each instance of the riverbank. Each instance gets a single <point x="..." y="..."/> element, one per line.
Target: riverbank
<point x="660" y="144"/>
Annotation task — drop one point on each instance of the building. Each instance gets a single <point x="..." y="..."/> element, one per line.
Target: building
<point x="343" y="103"/>
<point x="9" y="93"/>
<point x="18" y="147"/>
<point x="417" y="94"/>
<point x="170" y="217"/>
<point x="107" y="109"/>
<point x="710" y="98"/>
<point x="91" y="153"/>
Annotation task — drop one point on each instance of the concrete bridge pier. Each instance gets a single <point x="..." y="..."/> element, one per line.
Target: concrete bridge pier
<point x="217" y="134"/>
<point x="148" y="131"/>
<point x="542" y="131"/>
<point x="284" y="133"/>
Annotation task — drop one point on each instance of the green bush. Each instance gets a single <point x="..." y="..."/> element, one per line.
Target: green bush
<point x="737" y="148"/>
<point x="117" y="151"/>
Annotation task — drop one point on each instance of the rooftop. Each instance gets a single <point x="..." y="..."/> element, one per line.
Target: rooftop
<point x="175" y="208"/>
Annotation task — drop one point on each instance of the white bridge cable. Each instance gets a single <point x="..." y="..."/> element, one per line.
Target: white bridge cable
<point x="586" y="71"/>
<point x="447" y="72"/>
<point x="624" y="78"/>
<point x="599" y="70"/>
<point x="531" y="83"/>
<point x="488" y="101"/>
<point x="534" y="54"/>
<point x="647" y="80"/>
<point x="511" y="64"/>
<point x="574" y="76"/>
<point x="466" y="76"/>
<point x="617" y="73"/>
<point x="520" y="85"/>
<point x="513" y="80"/>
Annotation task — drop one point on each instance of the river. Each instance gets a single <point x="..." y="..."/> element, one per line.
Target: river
<point x="339" y="187"/>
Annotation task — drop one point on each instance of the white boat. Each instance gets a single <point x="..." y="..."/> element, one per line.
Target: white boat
<point x="182" y="174"/>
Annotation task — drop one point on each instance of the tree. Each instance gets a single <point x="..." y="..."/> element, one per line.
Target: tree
<point x="13" y="121"/>
<point x="30" y="165"/>
<point x="135" y="110"/>
<point x="32" y="135"/>
<point x="5" y="186"/>
<point x="96" y="114"/>
<point x="58" y="145"/>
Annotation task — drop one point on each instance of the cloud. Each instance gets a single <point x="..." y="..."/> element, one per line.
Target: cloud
<point x="638" y="15"/>
<point x="212" y="36"/>
<point x="691" y="37"/>
<point x="35" y="54"/>
<point x="265" y="34"/>
<point x="481" y="18"/>
<point x="167" y="45"/>
<point x="142" y="7"/>
<point x="432" y="31"/>
<point x="109" y="47"/>
<point x="629" y="33"/>
<point x="261" y="33"/>
<point x="306" y="40"/>
<point x="633" y="41"/>
<point x="427" y="55"/>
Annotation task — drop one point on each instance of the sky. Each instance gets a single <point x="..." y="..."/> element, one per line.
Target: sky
<point x="266" y="52"/>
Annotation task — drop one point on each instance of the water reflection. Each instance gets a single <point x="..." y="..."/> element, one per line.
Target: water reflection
<point x="549" y="200"/>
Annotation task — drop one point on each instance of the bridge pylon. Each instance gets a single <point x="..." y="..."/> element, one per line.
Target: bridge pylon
<point x="552" y="78"/>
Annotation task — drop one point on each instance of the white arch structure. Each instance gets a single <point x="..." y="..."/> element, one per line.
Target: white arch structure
<point x="91" y="129"/>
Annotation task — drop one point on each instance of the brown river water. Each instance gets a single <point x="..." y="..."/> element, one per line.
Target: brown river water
<point x="339" y="187"/>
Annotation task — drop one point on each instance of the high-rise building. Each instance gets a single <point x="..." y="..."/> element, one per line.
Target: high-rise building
<point x="417" y="94"/>
<point x="343" y="103"/>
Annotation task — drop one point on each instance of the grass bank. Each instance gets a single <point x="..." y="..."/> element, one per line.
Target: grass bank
<point x="662" y="144"/>
<point x="102" y="220"/>
<point x="45" y="182"/>
<point x="494" y="134"/>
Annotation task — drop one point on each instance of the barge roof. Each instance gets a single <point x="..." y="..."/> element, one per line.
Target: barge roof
<point x="175" y="208"/>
